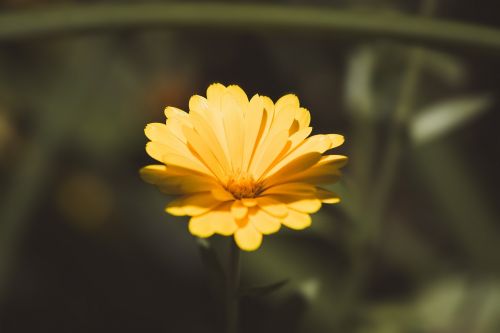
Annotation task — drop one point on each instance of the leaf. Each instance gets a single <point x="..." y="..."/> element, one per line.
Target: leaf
<point x="359" y="81"/>
<point x="437" y="307"/>
<point x="263" y="290"/>
<point x="445" y="67"/>
<point x="309" y="289"/>
<point x="438" y="120"/>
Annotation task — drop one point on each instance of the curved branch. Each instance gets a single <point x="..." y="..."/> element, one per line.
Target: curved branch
<point x="244" y="17"/>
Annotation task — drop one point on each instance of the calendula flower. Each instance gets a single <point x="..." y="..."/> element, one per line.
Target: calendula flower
<point x="242" y="167"/>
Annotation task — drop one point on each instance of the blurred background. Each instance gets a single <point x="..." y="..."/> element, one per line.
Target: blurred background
<point x="413" y="247"/>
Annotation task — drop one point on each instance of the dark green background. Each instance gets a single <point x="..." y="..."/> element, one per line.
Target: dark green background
<point x="86" y="247"/>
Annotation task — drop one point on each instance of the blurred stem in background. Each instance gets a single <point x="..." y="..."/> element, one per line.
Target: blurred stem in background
<point x="398" y="132"/>
<point x="248" y="17"/>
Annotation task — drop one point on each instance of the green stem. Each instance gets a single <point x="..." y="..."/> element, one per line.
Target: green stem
<point x="247" y="17"/>
<point x="396" y="141"/>
<point x="397" y="132"/>
<point x="232" y="286"/>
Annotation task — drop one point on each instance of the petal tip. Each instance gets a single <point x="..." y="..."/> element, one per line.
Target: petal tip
<point x="175" y="210"/>
<point x="248" y="238"/>
<point x="336" y="140"/>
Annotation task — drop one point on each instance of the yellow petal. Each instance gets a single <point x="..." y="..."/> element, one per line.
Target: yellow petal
<point x="214" y="93"/>
<point x="253" y="125"/>
<point x="198" y="104"/>
<point x="214" y="117"/>
<point x="172" y="112"/>
<point x="291" y="189"/>
<point x="164" y="142"/>
<point x="301" y="163"/>
<point x="249" y="202"/>
<point x="326" y="196"/>
<point x="263" y="222"/>
<point x="153" y="174"/>
<point x="239" y="210"/>
<point x="303" y="117"/>
<point x="192" y="205"/>
<point x="221" y="194"/>
<point x="314" y="144"/>
<point x="268" y="153"/>
<point x="225" y="225"/>
<point x="308" y="205"/>
<point x="267" y="121"/>
<point x="233" y="126"/>
<point x="194" y="183"/>
<point x="174" y="180"/>
<point x="294" y="128"/>
<point x="176" y="120"/>
<point x="219" y="220"/>
<point x="171" y="189"/>
<point x="205" y="153"/>
<point x="326" y="171"/>
<point x="176" y="211"/>
<point x="201" y="226"/>
<point x="299" y="136"/>
<point x="159" y="132"/>
<point x="175" y="156"/>
<point x="205" y="129"/>
<point x="239" y="95"/>
<point x="287" y="101"/>
<point x="248" y="238"/>
<point x="296" y="220"/>
<point x="272" y="206"/>
<point x="283" y="119"/>
<point x="338" y="160"/>
<point x="336" y="140"/>
<point x="185" y="184"/>
<point x="268" y="104"/>
<point x="158" y="150"/>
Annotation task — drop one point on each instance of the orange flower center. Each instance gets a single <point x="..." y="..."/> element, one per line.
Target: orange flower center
<point x="243" y="186"/>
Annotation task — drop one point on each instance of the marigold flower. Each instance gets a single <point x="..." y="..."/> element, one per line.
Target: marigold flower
<point x="242" y="167"/>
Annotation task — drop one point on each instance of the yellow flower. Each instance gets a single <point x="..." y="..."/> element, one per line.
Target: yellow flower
<point x="242" y="167"/>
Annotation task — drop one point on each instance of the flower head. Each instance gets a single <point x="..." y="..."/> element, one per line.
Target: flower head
<point x="242" y="167"/>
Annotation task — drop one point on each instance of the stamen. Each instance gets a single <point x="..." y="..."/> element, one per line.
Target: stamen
<point x="243" y="186"/>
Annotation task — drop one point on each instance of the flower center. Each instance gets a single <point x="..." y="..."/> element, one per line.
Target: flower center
<point x="243" y="186"/>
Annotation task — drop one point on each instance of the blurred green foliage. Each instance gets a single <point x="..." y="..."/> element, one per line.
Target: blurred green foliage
<point x="413" y="246"/>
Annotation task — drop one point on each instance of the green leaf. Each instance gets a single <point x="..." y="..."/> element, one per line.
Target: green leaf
<point x="438" y="120"/>
<point x="359" y="82"/>
<point x="438" y="305"/>
<point x="309" y="289"/>
<point x="263" y="290"/>
<point x="445" y="67"/>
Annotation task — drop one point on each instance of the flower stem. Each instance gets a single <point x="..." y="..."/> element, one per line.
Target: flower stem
<point x="232" y="285"/>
